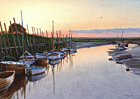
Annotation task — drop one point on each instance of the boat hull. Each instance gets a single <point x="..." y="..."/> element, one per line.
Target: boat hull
<point x="37" y="70"/>
<point x="6" y="79"/>
<point x="12" y="66"/>
<point x="41" y="61"/>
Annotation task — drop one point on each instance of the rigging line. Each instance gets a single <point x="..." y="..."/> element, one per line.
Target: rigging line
<point x="26" y="19"/>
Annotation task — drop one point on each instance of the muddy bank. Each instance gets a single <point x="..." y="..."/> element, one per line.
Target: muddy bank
<point x="90" y="44"/>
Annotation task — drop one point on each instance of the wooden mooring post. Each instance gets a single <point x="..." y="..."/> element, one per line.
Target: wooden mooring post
<point x="3" y="39"/>
<point x="17" y="56"/>
<point x="17" y="36"/>
<point x="7" y="39"/>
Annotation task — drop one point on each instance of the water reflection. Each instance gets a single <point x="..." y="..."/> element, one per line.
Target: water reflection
<point x="18" y="89"/>
<point x="135" y="71"/>
<point x="33" y="78"/>
<point x="18" y="84"/>
<point x="53" y="79"/>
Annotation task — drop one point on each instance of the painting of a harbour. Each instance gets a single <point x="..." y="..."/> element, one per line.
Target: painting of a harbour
<point x="69" y="49"/>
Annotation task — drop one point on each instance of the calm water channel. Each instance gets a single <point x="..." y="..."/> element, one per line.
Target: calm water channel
<point x="87" y="74"/>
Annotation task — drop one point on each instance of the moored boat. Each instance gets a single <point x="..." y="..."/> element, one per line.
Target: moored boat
<point x="41" y="55"/>
<point x="18" y="67"/>
<point x="123" y="56"/>
<point x="41" y="61"/>
<point x="37" y="70"/>
<point x="6" y="79"/>
<point x="26" y="55"/>
<point x="61" y="53"/>
<point x="27" y="58"/>
<point x="54" y="56"/>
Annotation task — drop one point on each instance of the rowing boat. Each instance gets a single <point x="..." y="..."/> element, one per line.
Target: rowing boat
<point x="6" y="79"/>
<point x="41" y="61"/>
<point x="18" y="67"/>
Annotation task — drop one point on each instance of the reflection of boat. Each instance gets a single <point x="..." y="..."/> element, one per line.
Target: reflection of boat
<point x="54" y="62"/>
<point x="18" y="67"/>
<point x="135" y="71"/>
<point x="6" y="79"/>
<point x="132" y="63"/>
<point x="36" y="70"/>
<point x="19" y="83"/>
<point x="33" y="78"/>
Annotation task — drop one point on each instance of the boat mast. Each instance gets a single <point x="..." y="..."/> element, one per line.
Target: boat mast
<point x="122" y="36"/>
<point x="69" y="37"/>
<point x="23" y="41"/>
<point x="53" y="36"/>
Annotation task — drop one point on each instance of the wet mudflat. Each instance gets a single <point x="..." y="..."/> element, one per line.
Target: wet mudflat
<point x="87" y="74"/>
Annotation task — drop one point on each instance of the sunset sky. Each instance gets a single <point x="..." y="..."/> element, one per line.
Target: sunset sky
<point x="75" y="14"/>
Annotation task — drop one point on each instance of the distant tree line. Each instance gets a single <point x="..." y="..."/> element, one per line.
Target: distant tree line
<point x="19" y="28"/>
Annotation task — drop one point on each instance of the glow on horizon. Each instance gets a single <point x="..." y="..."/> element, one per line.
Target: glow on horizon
<point x="74" y="14"/>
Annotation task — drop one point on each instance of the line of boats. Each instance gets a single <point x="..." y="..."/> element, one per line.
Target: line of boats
<point x="30" y="65"/>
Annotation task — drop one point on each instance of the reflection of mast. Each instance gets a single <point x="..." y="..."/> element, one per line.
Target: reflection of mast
<point x="17" y="95"/>
<point x="47" y="69"/>
<point x="24" y="88"/>
<point x="61" y="64"/>
<point x="122" y="36"/>
<point x="71" y="61"/>
<point x="121" y="68"/>
<point x="53" y="79"/>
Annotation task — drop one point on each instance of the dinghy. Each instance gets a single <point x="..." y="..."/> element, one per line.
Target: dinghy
<point x="123" y="56"/>
<point x="6" y="79"/>
<point x="18" y="67"/>
<point x="41" y="55"/>
<point x="61" y="53"/>
<point x="120" y="48"/>
<point x="47" y="52"/>
<point x="27" y="58"/>
<point x="41" y="61"/>
<point x="19" y="83"/>
<point x="54" y="56"/>
<point x="26" y="55"/>
<point x="37" y="70"/>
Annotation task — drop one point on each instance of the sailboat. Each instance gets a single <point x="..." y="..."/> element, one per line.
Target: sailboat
<point x="53" y="56"/>
<point x="27" y="58"/>
<point x="70" y="49"/>
<point x="33" y="70"/>
<point x="120" y="45"/>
